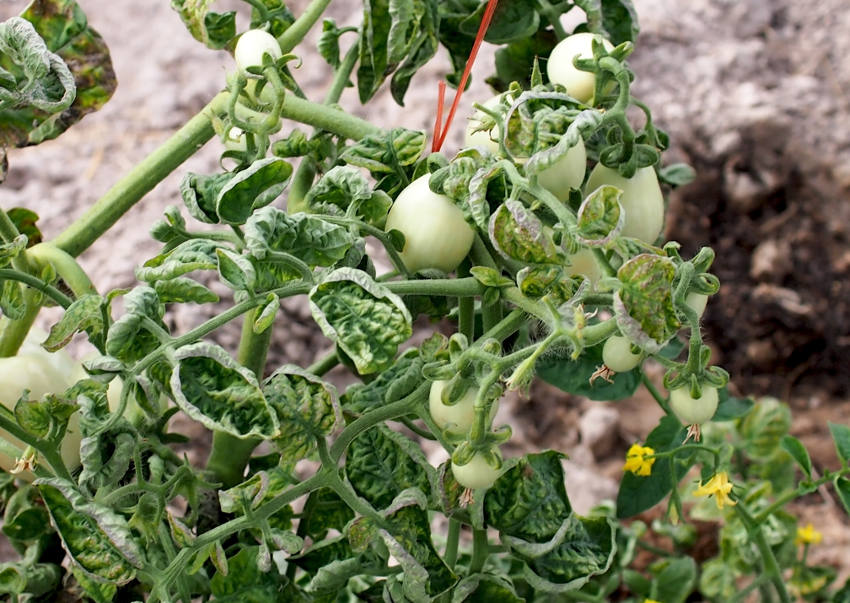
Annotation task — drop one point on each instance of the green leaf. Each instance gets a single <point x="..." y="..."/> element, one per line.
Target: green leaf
<point x="841" y="437"/>
<point x="764" y="427"/>
<point x="324" y="510"/>
<point x="587" y="549"/>
<point x="395" y="33"/>
<point x="573" y="376"/>
<point x="236" y="271"/>
<point x="191" y="255"/>
<point x="37" y="416"/>
<point x="390" y="385"/>
<point x="98" y="540"/>
<point x="644" y="305"/>
<point x="29" y="579"/>
<point x="64" y="27"/>
<point x="259" y="488"/>
<point x="131" y="337"/>
<point x="256" y="186"/>
<point x="619" y="18"/>
<point x="29" y="524"/>
<point x="482" y="588"/>
<point x="795" y="448"/>
<point x="328" y="44"/>
<point x="639" y="493"/>
<point x="217" y="391"/>
<point x="513" y="60"/>
<point x="245" y="582"/>
<point x="601" y="217"/>
<point x="306" y="409"/>
<point x="214" y="30"/>
<point x="308" y="238"/>
<point x="344" y="190"/>
<point x="365" y="319"/>
<point x="84" y="314"/>
<point x="386" y="153"/>
<point x="529" y="500"/>
<point x="842" y="488"/>
<point x="382" y="463"/>
<point x="408" y="539"/>
<point x="265" y="318"/>
<point x="515" y="20"/>
<point x="517" y="233"/>
<point x="11" y="250"/>
<point x="12" y="304"/>
<point x="183" y="290"/>
<point x="674" y="580"/>
<point x="730" y="408"/>
<point x="199" y="193"/>
<point x="25" y="222"/>
<point x="677" y="174"/>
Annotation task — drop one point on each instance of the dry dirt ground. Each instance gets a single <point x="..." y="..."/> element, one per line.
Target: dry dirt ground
<point x="755" y="95"/>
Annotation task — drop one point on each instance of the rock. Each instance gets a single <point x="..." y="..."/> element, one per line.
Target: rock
<point x="598" y="429"/>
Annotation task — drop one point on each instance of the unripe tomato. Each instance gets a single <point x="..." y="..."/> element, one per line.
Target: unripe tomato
<point x="435" y="232"/>
<point x="694" y="411"/>
<point x="41" y="372"/>
<point x="583" y="263"/>
<point x="642" y="200"/>
<point x="458" y="416"/>
<point x="697" y="302"/>
<point x="477" y="473"/>
<point x="560" y="68"/>
<point x="251" y="47"/>
<point x="618" y="356"/>
<point x="559" y="178"/>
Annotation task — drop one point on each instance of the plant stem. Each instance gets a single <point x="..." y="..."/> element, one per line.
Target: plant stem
<point x="36" y="283"/>
<point x="85" y="230"/>
<point x="455" y="287"/>
<point x="771" y="567"/>
<point x="650" y="387"/>
<point x="327" y="118"/>
<point x="307" y="168"/>
<point x="452" y="541"/>
<point x="66" y="267"/>
<point x="13" y="332"/>
<point x="324" y="364"/>
<point x="290" y="38"/>
<point x="8" y="423"/>
<point x="480" y="551"/>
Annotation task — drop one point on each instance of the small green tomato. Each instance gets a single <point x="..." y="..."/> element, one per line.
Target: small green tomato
<point x="642" y="200"/>
<point x="435" y="232"/>
<point x="579" y="84"/>
<point x="618" y="356"/>
<point x="251" y="47"/>
<point x="477" y="473"/>
<point x="458" y="416"/>
<point x="694" y="411"/>
<point x="583" y="263"/>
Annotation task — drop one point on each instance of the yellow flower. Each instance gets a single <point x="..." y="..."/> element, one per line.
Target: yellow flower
<point x="719" y="487"/>
<point x="650" y="601"/>
<point x="808" y="535"/>
<point x="637" y="461"/>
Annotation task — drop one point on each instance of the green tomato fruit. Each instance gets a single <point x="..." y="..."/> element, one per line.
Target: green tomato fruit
<point x="565" y="174"/>
<point x="694" y="411"/>
<point x="477" y="473"/>
<point x="435" y="232"/>
<point x="41" y="372"/>
<point x="697" y="302"/>
<point x="458" y="416"/>
<point x="251" y="47"/>
<point x="560" y="68"/>
<point x="583" y="263"/>
<point x="618" y="356"/>
<point x="642" y="200"/>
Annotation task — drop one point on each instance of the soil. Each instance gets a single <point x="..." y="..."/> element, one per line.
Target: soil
<point x="755" y="95"/>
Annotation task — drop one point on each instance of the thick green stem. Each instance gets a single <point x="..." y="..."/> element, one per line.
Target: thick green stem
<point x="771" y="566"/>
<point x="303" y="178"/>
<point x="455" y="287"/>
<point x="480" y="551"/>
<point x="84" y="231"/>
<point x="452" y="541"/>
<point x="324" y="364"/>
<point x="66" y="267"/>
<point x="36" y="283"/>
<point x="13" y="332"/>
<point x="326" y="118"/>
<point x="290" y="38"/>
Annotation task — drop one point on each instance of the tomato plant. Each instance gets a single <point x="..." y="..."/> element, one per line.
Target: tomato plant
<point x="510" y="267"/>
